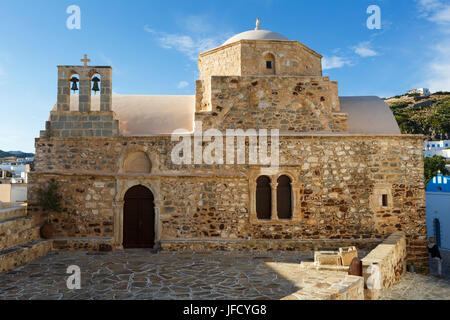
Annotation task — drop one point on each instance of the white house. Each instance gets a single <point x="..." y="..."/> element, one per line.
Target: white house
<point x="13" y="192"/>
<point x="437" y="148"/>
<point x="438" y="210"/>
<point x="16" y="169"/>
<point x="424" y="91"/>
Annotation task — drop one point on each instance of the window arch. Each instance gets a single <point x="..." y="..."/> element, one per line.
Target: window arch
<point x="137" y="162"/>
<point x="284" y="197"/>
<point x="269" y="63"/>
<point x="263" y="198"/>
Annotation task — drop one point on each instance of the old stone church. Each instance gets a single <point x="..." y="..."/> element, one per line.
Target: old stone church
<point x="346" y="174"/>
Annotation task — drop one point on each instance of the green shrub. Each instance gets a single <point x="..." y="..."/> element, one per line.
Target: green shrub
<point x="49" y="199"/>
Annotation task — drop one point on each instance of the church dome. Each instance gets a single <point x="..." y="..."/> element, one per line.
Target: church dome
<point x="256" y="35"/>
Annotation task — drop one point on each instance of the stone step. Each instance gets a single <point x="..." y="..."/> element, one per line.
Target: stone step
<point x="15" y="256"/>
<point x="12" y="212"/>
<point x="18" y="230"/>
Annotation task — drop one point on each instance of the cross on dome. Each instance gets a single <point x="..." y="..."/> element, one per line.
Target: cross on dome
<point x="257" y="24"/>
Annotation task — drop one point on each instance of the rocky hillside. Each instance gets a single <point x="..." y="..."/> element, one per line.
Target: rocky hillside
<point x="419" y="114"/>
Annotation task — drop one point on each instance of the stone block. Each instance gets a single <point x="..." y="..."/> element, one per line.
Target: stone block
<point x="347" y="254"/>
<point x="327" y="258"/>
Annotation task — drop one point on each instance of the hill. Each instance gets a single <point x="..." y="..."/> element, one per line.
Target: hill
<point x="418" y="114"/>
<point x="18" y="154"/>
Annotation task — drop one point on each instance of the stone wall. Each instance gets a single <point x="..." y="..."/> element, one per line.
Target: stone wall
<point x="291" y="58"/>
<point x="223" y="61"/>
<point x="87" y="204"/>
<point x="74" y="124"/>
<point x="219" y="62"/>
<point x="329" y="285"/>
<point x="16" y="227"/>
<point x="265" y="244"/>
<point x="334" y="180"/>
<point x="290" y="104"/>
<point x="390" y="257"/>
<point x="248" y="58"/>
<point x="19" y="237"/>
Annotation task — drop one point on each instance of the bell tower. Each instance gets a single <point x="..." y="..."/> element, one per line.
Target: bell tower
<point x="74" y="115"/>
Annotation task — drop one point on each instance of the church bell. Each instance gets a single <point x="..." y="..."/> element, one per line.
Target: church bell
<point x="95" y="87"/>
<point x="74" y="81"/>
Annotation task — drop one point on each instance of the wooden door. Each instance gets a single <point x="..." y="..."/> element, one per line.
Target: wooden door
<point x="139" y="218"/>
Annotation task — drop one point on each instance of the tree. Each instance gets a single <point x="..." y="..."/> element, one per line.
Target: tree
<point x="49" y="199"/>
<point x="432" y="166"/>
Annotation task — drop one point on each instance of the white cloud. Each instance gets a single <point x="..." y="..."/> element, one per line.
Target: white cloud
<point x="186" y="44"/>
<point x="437" y="72"/>
<point x="182" y="84"/>
<point x="364" y="50"/>
<point x="334" y="62"/>
<point x="191" y="44"/>
<point x="195" y="23"/>
<point x="148" y="29"/>
<point x="435" y="11"/>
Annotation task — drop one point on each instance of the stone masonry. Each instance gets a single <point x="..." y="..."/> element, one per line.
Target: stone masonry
<point x="347" y="189"/>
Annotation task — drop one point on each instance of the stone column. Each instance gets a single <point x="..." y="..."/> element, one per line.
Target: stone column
<point x="106" y="89"/>
<point x="85" y="91"/>
<point x="63" y="98"/>
<point x="118" y="223"/>
<point x="273" y="186"/>
<point x="296" y="205"/>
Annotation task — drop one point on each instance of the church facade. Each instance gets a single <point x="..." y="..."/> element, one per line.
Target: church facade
<point x="345" y="173"/>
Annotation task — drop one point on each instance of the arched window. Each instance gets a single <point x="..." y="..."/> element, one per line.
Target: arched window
<point x="437" y="231"/>
<point x="269" y="63"/>
<point x="95" y="83"/>
<point x="284" y="198"/>
<point x="74" y="84"/>
<point x="263" y="198"/>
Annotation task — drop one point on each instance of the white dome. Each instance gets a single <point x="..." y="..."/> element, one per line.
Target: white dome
<point x="256" y="35"/>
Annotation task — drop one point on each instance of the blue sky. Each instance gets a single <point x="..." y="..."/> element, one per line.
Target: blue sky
<point x="153" y="45"/>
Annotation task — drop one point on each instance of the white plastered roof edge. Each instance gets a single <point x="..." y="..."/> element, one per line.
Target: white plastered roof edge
<point x="150" y="115"/>
<point x="369" y="115"/>
<point x="256" y="35"/>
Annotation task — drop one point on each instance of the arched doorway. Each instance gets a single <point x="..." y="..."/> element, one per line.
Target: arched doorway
<point x="437" y="231"/>
<point x="139" y="218"/>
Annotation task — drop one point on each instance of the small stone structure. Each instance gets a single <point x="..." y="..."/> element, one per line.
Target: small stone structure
<point x="382" y="267"/>
<point x="329" y="285"/>
<point x="19" y="238"/>
<point x="389" y="259"/>
<point x="342" y="256"/>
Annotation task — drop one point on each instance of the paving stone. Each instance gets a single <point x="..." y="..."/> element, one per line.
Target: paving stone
<point x="137" y="274"/>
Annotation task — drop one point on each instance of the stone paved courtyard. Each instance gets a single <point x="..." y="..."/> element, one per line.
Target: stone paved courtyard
<point x="423" y="287"/>
<point x="139" y="274"/>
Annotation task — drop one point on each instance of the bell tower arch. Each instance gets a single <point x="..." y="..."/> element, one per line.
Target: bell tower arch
<point x="86" y="75"/>
<point x="80" y="120"/>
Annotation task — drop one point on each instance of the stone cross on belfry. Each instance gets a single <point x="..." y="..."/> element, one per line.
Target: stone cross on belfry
<point x="85" y="60"/>
<point x="257" y="24"/>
